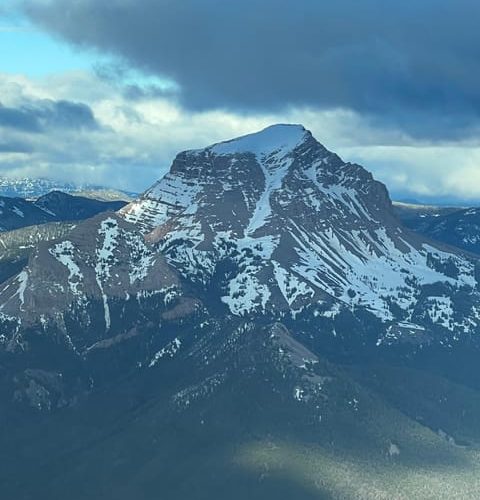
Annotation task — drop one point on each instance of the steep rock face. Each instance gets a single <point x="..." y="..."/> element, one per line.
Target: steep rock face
<point x="289" y="226"/>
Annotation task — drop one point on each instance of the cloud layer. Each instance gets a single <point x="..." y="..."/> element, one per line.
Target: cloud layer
<point x="409" y="65"/>
<point x="129" y="143"/>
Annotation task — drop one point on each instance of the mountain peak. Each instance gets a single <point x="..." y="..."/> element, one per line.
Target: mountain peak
<point x="275" y="138"/>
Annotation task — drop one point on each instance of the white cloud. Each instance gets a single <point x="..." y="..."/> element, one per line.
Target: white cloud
<point x="450" y="171"/>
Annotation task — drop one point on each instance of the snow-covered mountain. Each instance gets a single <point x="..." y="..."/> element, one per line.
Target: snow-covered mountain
<point x="271" y="225"/>
<point x="102" y="261"/>
<point x="28" y="187"/>
<point x="33" y="187"/>
<point x="301" y="229"/>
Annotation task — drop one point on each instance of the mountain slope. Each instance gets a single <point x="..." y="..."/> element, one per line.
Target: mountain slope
<point x="417" y="217"/>
<point x="248" y="411"/>
<point x="80" y="300"/>
<point x="66" y="207"/>
<point x="17" y="212"/>
<point x="17" y="246"/>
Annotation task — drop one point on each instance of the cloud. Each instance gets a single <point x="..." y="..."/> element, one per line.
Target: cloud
<point x="132" y="84"/>
<point x="18" y="119"/>
<point x="410" y="65"/>
<point x="67" y="114"/>
<point x="430" y="173"/>
<point x="130" y="144"/>
<point x="37" y="116"/>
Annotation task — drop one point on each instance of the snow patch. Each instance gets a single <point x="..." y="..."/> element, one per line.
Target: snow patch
<point x="22" y="279"/>
<point x="169" y="350"/>
<point x="109" y="232"/>
<point x="64" y="252"/>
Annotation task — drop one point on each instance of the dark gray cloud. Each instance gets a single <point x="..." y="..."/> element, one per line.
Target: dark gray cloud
<point x="41" y="115"/>
<point x="18" y="118"/>
<point x="413" y="64"/>
<point x="15" y="146"/>
<point x="68" y="114"/>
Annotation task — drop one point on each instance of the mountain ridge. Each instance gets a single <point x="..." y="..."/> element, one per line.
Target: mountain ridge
<point x="55" y="206"/>
<point x="34" y="187"/>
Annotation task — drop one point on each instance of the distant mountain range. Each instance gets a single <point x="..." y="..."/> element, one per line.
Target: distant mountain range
<point x="258" y="324"/>
<point x="455" y="226"/>
<point x="31" y="188"/>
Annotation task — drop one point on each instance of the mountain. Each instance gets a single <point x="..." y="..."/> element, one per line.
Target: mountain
<point x="31" y="188"/>
<point x="459" y="227"/>
<point x="17" y="212"/>
<point x="55" y="206"/>
<point x="106" y="194"/>
<point x="418" y="217"/>
<point x="64" y="206"/>
<point x="287" y="227"/>
<point x="258" y="323"/>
